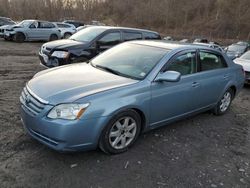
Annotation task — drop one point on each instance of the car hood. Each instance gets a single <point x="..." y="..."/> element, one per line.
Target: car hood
<point x="244" y="62"/>
<point x="6" y="27"/>
<point x="64" y="44"/>
<point x="72" y="82"/>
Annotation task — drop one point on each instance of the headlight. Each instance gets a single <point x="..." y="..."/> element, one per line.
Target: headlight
<point x="60" y="54"/>
<point x="68" y="111"/>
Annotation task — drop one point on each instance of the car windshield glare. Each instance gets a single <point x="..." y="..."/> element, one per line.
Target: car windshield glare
<point x="87" y="34"/>
<point x="130" y="60"/>
<point x="246" y="55"/>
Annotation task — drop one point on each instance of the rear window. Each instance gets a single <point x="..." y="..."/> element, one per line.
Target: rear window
<point x="210" y="61"/>
<point x="132" y="36"/>
<point x="151" y="36"/>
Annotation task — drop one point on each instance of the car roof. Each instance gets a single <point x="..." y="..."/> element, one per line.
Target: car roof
<point x="170" y="45"/>
<point x="126" y="28"/>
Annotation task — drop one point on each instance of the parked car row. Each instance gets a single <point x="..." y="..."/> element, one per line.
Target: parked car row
<point x="30" y="30"/>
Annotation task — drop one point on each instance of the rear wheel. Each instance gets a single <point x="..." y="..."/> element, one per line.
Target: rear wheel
<point x="19" y="37"/>
<point x="53" y="37"/>
<point x="225" y="102"/>
<point x="121" y="132"/>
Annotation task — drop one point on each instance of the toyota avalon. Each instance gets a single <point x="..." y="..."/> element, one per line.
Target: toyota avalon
<point x="129" y="89"/>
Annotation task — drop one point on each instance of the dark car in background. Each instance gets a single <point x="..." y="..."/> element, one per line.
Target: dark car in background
<point x="236" y="50"/>
<point x="74" y="22"/>
<point x="89" y="42"/>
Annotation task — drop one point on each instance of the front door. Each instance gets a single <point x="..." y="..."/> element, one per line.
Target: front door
<point x="172" y="100"/>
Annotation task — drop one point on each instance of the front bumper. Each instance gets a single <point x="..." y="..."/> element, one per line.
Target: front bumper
<point x="51" y="62"/>
<point x="63" y="135"/>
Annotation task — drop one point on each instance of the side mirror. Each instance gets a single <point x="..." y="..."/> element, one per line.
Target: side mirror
<point x="168" y="76"/>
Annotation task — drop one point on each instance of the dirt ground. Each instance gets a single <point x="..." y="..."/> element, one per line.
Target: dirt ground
<point x="202" y="151"/>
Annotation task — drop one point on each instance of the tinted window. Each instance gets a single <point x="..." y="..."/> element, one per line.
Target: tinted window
<point x="132" y="36"/>
<point x="210" y="61"/>
<point x="151" y="36"/>
<point x="110" y="39"/>
<point x="184" y="64"/>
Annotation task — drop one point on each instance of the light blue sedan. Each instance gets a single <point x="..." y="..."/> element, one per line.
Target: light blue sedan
<point x="127" y="90"/>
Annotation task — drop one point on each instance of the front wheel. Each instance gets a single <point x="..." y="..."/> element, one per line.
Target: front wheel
<point x="121" y="132"/>
<point x="225" y="102"/>
<point x="19" y="37"/>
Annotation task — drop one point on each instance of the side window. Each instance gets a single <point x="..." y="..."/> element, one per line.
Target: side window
<point x="132" y="36"/>
<point x="151" y="36"/>
<point x="210" y="61"/>
<point x="34" y="25"/>
<point x="184" y="64"/>
<point x="110" y="39"/>
<point x="46" y="25"/>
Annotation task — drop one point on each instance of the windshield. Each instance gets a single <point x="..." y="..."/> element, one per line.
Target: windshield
<point x="246" y="55"/>
<point x="25" y="23"/>
<point x="130" y="60"/>
<point x="236" y="48"/>
<point x="87" y="34"/>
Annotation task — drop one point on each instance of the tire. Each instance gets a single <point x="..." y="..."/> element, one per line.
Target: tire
<point x="19" y="37"/>
<point x="67" y="35"/>
<point x="53" y="37"/>
<point x="224" y="104"/>
<point x="121" y="132"/>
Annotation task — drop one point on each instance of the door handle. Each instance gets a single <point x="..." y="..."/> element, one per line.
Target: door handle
<point x="225" y="77"/>
<point x="195" y="84"/>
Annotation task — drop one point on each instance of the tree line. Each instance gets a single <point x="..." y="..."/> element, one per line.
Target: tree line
<point x="185" y="18"/>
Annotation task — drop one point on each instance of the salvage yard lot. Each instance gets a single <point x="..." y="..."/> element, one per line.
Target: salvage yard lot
<point x="202" y="151"/>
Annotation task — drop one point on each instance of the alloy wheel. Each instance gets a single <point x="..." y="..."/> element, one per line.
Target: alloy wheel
<point x="122" y="133"/>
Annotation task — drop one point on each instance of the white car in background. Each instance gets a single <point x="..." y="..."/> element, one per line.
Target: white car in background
<point x="244" y="60"/>
<point x="66" y="29"/>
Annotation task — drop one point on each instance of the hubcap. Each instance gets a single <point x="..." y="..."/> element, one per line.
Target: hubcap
<point x="225" y="102"/>
<point x="122" y="132"/>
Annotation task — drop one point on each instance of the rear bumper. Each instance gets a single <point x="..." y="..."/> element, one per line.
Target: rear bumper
<point x="63" y="135"/>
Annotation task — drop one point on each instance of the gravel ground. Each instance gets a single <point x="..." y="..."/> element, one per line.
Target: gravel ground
<point x="202" y="151"/>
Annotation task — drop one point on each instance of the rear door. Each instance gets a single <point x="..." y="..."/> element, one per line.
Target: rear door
<point x="214" y="76"/>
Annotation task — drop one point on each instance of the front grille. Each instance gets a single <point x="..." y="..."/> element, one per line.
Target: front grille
<point x="29" y="102"/>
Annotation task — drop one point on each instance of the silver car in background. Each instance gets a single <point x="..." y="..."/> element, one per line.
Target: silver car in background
<point x="66" y="29"/>
<point x="32" y="30"/>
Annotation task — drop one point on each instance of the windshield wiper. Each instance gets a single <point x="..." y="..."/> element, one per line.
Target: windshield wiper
<point x="113" y="71"/>
<point x="108" y="69"/>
